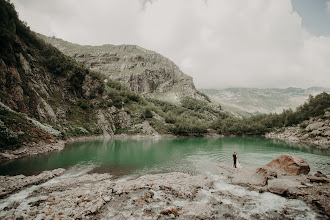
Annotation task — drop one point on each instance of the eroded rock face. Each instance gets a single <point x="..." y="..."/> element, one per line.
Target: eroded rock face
<point x="145" y="72"/>
<point x="289" y="165"/>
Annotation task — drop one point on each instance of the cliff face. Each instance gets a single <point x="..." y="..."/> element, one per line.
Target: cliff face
<point x="45" y="94"/>
<point x="144" y="72"/>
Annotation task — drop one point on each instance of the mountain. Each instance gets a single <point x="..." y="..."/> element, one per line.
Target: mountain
<point x="46" y="95"/>
<point x="250" y="101"/>
<point x="145" y="72"/>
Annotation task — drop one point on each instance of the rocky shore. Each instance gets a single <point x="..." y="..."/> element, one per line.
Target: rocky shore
<point x="289" y="177"/>
<point x="32" y="149"/>
<point x="61" y="194"/>
<point x="315" y="131"/>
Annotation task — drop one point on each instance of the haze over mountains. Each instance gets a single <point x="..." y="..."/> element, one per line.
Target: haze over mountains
<point x="251" y="101"/>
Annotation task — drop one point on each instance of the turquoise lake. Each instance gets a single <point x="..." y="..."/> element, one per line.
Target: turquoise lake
<point x="189" y="155"/>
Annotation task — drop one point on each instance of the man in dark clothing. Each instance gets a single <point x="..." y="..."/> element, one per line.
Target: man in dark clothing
<point x="234" y="157"/>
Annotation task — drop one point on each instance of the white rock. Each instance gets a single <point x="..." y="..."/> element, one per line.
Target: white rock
<point x="314" y="126"/>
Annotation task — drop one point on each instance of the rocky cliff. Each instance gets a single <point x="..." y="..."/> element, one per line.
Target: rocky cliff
<point x="143" y="71"/>
<point x="45" y="95"/>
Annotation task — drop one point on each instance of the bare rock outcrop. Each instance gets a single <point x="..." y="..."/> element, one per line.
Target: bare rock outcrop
<point x="143" y="71"/>
<point x="288" y="165"/>
<point x="146" y="128"/>
<point x="10" y="184"/>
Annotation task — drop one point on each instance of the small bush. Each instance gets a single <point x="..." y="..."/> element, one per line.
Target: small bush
<point x="8" y="138"/>
<point x="146" y="114"/>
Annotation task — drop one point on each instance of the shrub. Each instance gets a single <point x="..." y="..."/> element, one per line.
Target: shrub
<point x="146" y="114"/>
<point x="8" y="138"/>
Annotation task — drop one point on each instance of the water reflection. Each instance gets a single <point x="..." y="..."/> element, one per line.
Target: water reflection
<point x="124" y="157"/>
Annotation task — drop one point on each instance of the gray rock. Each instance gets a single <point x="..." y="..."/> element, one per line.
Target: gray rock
<point x="107" y="198"/>
<point x="10" y="184"/>
<point x="314" y="126"/>
<point x="327" y="133"/>
<point x="320" y="174"/>
<point x="277" y="186"/>
<point x="315" y="179"/>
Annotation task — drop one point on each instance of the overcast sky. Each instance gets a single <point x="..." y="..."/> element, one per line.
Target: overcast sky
<point x="220" y="43"/>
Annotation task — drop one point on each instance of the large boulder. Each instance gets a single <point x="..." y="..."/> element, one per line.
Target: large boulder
<point x="288" y="165"/>
<point x="282" y="186"/>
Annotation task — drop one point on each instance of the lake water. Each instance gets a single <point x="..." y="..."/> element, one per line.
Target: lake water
<point x="145" y="156"/>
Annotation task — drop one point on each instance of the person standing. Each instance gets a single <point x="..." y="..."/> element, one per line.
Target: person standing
<point x="235" y="159"/>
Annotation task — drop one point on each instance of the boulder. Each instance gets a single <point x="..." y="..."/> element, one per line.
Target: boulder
<point x="320" y="174"/>
<point x="315" y="179"/>
<point x="278" y="187"/>
<point x="283" y="186"/>
<point x="288" y="165"/>
<point x="314" y="126"/>
<point x="327" y="133"/>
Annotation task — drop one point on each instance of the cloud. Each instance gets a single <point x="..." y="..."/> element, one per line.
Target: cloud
<point x="328" y="6"/>
<point x="220" y="43"/>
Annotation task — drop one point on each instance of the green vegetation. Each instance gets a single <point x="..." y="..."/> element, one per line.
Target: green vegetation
<point x="192" y="118"/>
<point x="15" y="129"/>
<point x="8" y="138"/>
<point x="259" y="125"/>
<point x="204" y="95"/>
<point x="120" y="95"/>
<point x="8" y="24"/>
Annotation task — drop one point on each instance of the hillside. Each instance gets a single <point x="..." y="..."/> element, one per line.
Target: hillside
<point x="46" y="96"/>
<point x="145" y="72"/>
<point x="41" y="88"/>
<point x="249" y="101"/>
<point x="299" y="122"/>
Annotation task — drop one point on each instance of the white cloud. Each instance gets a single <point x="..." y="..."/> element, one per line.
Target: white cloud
<point x="220" y="43"/>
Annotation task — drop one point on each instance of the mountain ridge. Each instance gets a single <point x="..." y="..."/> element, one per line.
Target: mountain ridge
<point x="46" y="95"/>
<point x="143" y="71"/>
<point x="252" y="101"/>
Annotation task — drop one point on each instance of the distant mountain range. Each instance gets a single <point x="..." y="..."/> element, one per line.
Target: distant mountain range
<point x="251" y="101"/>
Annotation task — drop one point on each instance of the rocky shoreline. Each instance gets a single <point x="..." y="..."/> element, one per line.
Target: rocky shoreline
<point x="289" y="177"/>
<point x="32" y="149"/>
<point x="59" y="194"/>
<point x="315" y="131"/>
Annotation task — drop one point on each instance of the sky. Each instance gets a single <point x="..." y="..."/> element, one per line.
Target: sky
<point x="220" y="43"/>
